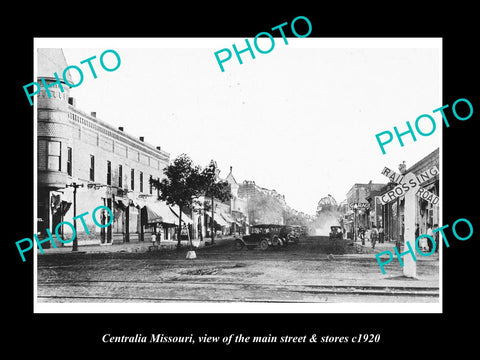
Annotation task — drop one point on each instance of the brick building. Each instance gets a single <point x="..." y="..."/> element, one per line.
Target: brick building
<point x="359" y="193"/>
<point x="112" y="167"/>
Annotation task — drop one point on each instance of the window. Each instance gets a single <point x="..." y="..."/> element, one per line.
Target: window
<point x="53" y="151"/>
<point x="141" y="181"/>
<point x="92" y="168"/>
<point x="69" y="161"/>
<point x="109" y="173"/>
<point x="120" y="174"/>
<point x="132" y="180"/>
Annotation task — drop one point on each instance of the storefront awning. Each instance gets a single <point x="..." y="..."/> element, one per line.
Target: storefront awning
<point x="185" y="218"/>
<point x="158" y="211"/>
<point x="135" y="200"/>
<point x="220" y="220"/>
<point x="227" y="217"/>
<point x="122" y="201"/>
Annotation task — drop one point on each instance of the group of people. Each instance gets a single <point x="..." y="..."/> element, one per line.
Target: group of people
<point x="424" y="243"/>
<point x="157" y="237"/>
<point x="373" y="235"/>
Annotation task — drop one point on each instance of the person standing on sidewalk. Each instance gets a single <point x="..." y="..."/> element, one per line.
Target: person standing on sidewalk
<point x="381" y="235"/>
<point x="430" y="233"/>
<point x="423" y="244"/>
<point x="160" y="235"/>
<point x="373" y="236"/>
<point x="361" y="234"/>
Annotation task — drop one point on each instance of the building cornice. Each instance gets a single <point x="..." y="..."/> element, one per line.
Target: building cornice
<point x="114" y="133"/>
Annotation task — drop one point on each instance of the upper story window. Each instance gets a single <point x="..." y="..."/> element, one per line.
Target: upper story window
<point x="132" y="180"/>
<point x="120" y="175"/>
<point x="54" y="156"/>
<point x="92" y="168"/>
<point x="69" y="161"/>
<point x="109" y="173"/>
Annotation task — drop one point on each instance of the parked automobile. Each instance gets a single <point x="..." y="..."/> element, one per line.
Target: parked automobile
<point x="294" y="232"/>
<point x="335" y="233"/>
<point x="263" y="236"/>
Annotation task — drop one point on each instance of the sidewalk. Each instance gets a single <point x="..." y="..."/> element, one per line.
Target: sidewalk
<point x="367" y="248"/>
<point x="142" y="246"/>
<point x="386" y="246"/>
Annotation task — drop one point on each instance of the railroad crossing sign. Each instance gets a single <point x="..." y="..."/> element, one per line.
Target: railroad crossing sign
<point x="428" y="196"/>
<point x="409" y="186"/>
<point x="407" y="183"/>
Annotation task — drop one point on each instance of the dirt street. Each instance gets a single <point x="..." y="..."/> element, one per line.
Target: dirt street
<point x="311" y="271"/>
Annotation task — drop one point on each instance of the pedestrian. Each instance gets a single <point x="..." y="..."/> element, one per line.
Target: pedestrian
<point x="435" y="236"/>
<point x="373" y="236"/>
<point x="423" y="244"/>
<point x="381" y="235"/>
<point x="361" y="233"/>
<point x="154" y="237"/>
<point x="430" y="233"/>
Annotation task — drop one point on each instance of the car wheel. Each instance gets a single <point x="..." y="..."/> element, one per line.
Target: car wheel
<point x="239" y="244"/>
<point x="276" y="241"/>
<point x="264" y="244"/>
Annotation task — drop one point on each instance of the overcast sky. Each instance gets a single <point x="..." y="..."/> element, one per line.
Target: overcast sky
<point x="301" y="120"/>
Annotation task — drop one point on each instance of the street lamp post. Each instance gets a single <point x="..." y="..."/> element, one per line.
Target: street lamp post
<point x="354" y="207"/>
<point x="75" y="187"/>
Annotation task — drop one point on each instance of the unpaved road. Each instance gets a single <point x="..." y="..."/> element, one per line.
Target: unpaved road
<point x="304" y="272"/>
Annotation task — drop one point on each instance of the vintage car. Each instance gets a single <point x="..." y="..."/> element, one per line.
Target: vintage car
<point x="294" y="233"/>
<point x="335" y="233"/>
<point x="263" y="236"/>
<point x="289" y="234"/>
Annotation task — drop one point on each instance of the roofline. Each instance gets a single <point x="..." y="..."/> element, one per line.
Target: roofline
<point x="119" y="132"/>
<point x="437" y="150"/>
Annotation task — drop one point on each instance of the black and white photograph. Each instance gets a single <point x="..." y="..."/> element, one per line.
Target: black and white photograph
<point x="263" y="187"/>
<point x="227" y="181"/>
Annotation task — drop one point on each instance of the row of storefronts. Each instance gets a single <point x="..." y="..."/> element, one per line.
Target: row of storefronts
<point x="390" y="216"/>
<point x="136" y="216"/>
<point x="84" y="162"/>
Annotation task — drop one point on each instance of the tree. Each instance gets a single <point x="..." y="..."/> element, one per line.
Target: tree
<point x="327" y="204"/>
<point x="214" y="189"/>
<point x="182" y="183"/>
<point x="265" y="208"/>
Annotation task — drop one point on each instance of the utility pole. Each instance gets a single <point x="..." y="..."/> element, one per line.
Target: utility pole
<point x="354" y="224"/>
<point x="75" y="239"/>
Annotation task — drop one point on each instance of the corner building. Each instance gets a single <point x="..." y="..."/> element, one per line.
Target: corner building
<point x="110" y="167"/>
